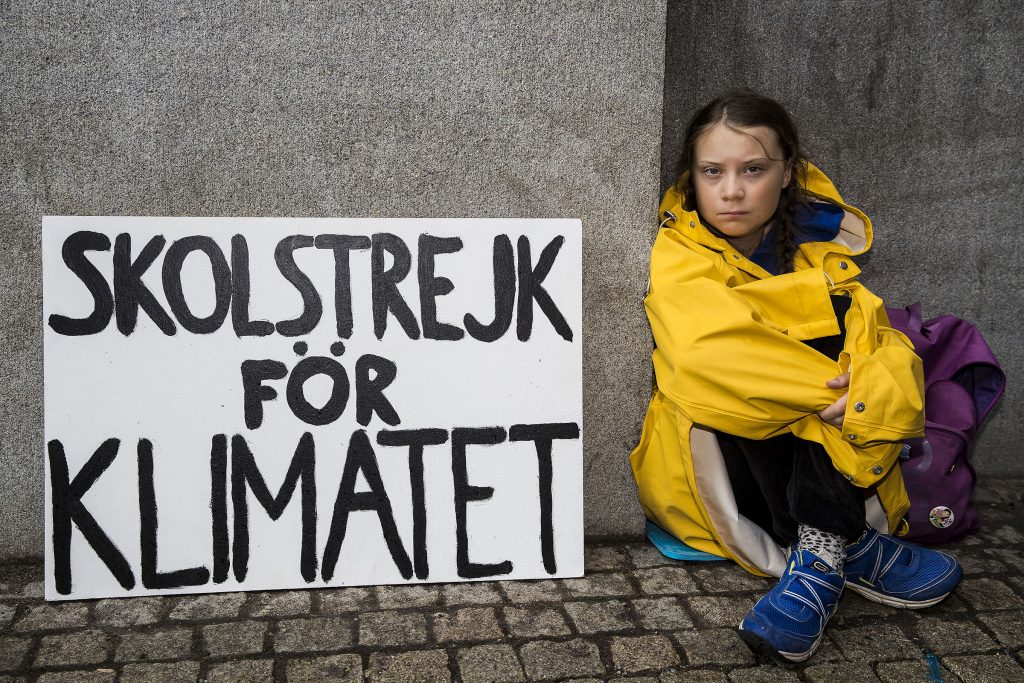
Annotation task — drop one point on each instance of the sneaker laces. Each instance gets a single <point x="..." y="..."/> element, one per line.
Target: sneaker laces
<point x="810" y="581"/>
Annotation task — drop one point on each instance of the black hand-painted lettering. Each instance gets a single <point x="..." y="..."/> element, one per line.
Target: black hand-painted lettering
<point x="432" y="286"/>
<point x="531" y="288"/>
<point x="415" y="440"/>
<point x="542" y="435"/>
<point x="504" y="294"/>
<point x="384" y="284"/>
<point x="171" y="274"/>
<point x="244" y="327"/>
<point x="152" y="578"/>
<point x="130" y="292"/>
<point x="73" y="252"/>
<point x="466" y="493"/>
<point x="361" y="458"/>
<point x="305" y="369"/>
<point x="245" y="474"/>
<point x="370" y="397"/>
<point x="312" y="309"/>
<point x="254" y="391"/>
<point x="219" y="506"/>
<point x="341" y="245"/>
<point x="67" y="508"/>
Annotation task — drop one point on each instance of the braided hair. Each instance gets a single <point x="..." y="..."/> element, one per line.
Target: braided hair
<point x="745" y="108"/>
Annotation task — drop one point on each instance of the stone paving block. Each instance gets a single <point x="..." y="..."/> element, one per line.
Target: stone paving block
<point x="645" y="555"/>
<point x="175" y="672"/>
<point x="34" y="591"/>
<point x="972" y="564"/>
<point x="598" y="617"/>
<point x="467" y="624"/>
<point x="419" y="666"/>
<point x="634" y="679"/>
<point x="125" y="612"/>
<point x="828" y="653"/>
<point x="404" y="597"/>
<point x="952" y="637"/>
<point x="853" y="610"/>
<point x="349" y="599"/>
<point x="212" y="607"/>
<point x="490" y="664"/>
<point x="50" y="617"/>
<point x="280" y="604"/>
<point x="241" y="671"/>
<point x="1008" y="627"/>
<point x="392" y="629"/>
<point x="993" y="667"/>
<point x="989" y="594"/>
<point x="313" y="635"/>
<point x="545" y="590"/>
<point x="14" y="578"/>
<point x="718" y="610"/>
<point x="7" y="613"/>
<point x="659" y="614"/>
<point x="472" y="593"/>
<point x="911" y="671"/>
<point x="762" y="674"/>
<point x="634" y="654"/>
<point x="92" y="676"/>
<point x="599" y="586"/>
<point x="665" y="581"/>
<point x="235" y="638"/>
<point x="544" y="659"/>
<point x="12" y="652"/>
<point x="1009" y="556"/>
<point x="533" y="622"/>
<point x="726" y="577"/>
<point x="875" y="642"/>
<point x="598" y="558"/>
<point x="846" y="672"/>
<point x="953" y="606"/>
<point x="1004" y="535"/>
<point x="719" y="647"/>
<point x="331" y="669"/>
<point x="69" y="649"/>
<point x="171" y="643"/>
<point x="692" y="676"/>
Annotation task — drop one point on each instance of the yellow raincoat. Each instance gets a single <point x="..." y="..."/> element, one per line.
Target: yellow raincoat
<point x="729" y="357"/>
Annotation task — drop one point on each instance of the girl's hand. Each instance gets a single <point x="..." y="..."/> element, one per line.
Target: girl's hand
<point x="833" y="415"/>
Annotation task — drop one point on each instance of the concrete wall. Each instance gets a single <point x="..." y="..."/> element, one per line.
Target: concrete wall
<point x="486" y="108"/>
<point x="915" y="110"/>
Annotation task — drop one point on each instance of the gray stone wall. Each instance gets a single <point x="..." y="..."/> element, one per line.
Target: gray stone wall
<point x="488" y="108"/>
<point x="915" y="110"/>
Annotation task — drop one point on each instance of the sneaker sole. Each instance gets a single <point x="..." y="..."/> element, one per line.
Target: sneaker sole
<point x="761" y="646"/>
<point x="890" y="601"/>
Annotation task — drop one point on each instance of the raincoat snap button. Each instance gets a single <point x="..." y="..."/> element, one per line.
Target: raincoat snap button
<point x="849" y="477"/>
<point x="852" y="437"/>
<point x="859" y="407"/>
<point x="842" y="265"/>
<point x="692" y="224"/>
<point x="877" y="469"/>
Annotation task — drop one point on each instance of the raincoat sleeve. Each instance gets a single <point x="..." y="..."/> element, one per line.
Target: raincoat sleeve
<point x="886" y="400"/>
<point x="732" y="357"/>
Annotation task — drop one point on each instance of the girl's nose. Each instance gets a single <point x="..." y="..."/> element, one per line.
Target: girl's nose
<point x="731" y="189"/>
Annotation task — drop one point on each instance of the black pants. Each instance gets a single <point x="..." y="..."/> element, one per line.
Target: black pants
<point x="784" y="481"/>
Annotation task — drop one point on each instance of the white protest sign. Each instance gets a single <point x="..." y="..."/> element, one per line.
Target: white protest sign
<point x="263" y="403"/>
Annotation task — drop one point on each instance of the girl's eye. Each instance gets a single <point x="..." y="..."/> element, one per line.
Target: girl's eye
<point x="753" y="170"/>
<point x="712" y="172"/>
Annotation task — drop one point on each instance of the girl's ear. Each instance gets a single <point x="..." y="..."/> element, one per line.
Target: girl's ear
<point x="788" y="175"/>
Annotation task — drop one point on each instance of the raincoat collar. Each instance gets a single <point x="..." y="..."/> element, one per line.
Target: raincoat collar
<point x="854" y="237"/>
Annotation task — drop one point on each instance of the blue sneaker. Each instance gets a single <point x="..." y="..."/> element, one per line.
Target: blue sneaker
<point x="789" y="620"/>
<point x="898" y="574"/>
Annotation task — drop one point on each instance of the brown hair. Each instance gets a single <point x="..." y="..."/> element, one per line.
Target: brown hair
<point x="745" y="108"/>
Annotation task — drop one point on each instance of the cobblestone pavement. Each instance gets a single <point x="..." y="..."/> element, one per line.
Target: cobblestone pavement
<point x="635" y="616"/>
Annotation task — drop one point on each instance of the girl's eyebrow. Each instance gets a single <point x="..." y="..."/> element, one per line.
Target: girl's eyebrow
<point x="748" y="161"/>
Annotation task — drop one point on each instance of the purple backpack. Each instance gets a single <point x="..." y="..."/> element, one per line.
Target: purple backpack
<point x="963" y="381"/>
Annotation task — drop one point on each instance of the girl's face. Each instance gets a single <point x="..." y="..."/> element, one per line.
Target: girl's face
<point x="739" y="175"/>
